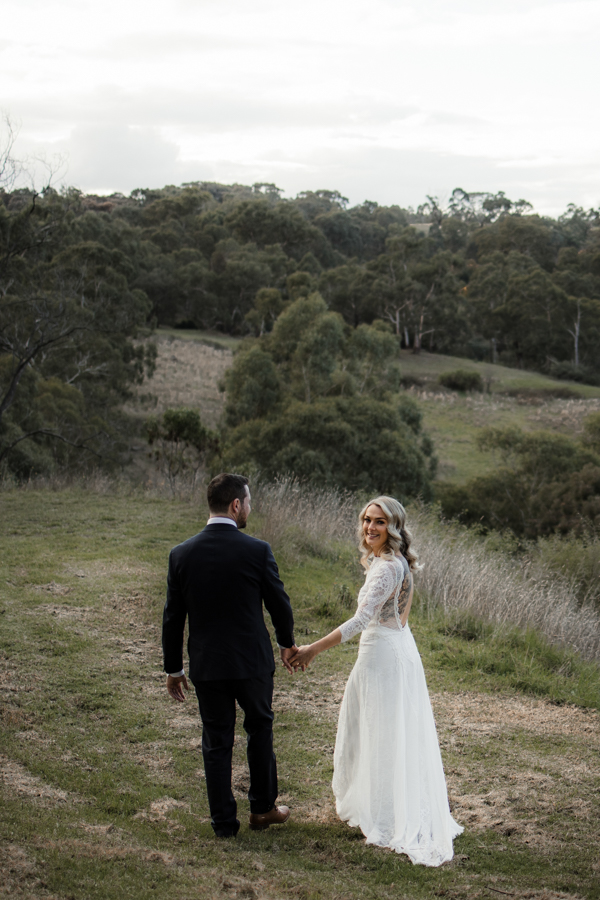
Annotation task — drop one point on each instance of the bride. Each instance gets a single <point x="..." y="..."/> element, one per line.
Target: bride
<point x="388" y="775"/>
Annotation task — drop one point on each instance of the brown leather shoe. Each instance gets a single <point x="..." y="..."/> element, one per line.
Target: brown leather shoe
<point x="276" y="816"/>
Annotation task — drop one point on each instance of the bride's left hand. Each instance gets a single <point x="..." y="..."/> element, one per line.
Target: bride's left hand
<point x="303" y="657"/>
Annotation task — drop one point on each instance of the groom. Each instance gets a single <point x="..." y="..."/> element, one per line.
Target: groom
<point x="219" y="580"/>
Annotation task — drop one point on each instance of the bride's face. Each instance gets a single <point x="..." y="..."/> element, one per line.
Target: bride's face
<point x="375" y="528"/>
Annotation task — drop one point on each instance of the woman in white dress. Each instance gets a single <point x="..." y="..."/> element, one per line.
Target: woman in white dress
<point x="388" y="775"/>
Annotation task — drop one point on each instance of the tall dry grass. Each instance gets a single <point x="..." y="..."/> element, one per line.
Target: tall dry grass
<point x="296" y="517"/>
<point x="460" y="572"/>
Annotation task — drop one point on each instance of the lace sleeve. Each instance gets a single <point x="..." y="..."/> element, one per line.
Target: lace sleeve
<point x="380" y="585"/>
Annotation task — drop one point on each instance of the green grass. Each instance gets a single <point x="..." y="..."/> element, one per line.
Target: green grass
<point x="527" y="400"/>
<point x="429" y="366"/>
<point x="211" y="338"/>
<point x="84" y="712"/>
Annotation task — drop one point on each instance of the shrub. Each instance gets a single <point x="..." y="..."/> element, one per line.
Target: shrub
<point x="547" y="484"/>
<point x="461" y="380"/>
<point x="357" y="444"/>
<point x="180" y="443"/>
<point x="568" y="371"/>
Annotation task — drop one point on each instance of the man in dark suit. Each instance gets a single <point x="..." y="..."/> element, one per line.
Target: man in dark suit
<point x="219" y="580"/>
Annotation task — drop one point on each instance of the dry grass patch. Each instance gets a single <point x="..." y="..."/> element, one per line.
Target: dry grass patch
<point x="59" y="590"/>
<point x="188" y="373"/>
<point x="311" y="695"/>
<point x="57" y="611"/>
<point x="17" y="780"/>
<point x="106" y="851"/>
<point x="160" y="809"/>
<point x="19" y="874"/>
<point x="484" y="714"/>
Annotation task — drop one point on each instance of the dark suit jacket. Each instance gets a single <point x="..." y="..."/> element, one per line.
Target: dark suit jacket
<point x="218" y="579"/>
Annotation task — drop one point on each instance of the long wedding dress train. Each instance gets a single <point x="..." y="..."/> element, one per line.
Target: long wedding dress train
<point x="388" y="773"/>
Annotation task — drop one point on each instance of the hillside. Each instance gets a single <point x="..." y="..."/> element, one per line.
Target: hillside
<point x="190" y="365"/>
<point x="101" y="775"/>
<point x="483" y="279"/>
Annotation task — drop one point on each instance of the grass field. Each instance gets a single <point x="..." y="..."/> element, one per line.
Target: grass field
<point x="527" y="400"/>
<point x="102" y="781"/>
<point x="208" y="338"/>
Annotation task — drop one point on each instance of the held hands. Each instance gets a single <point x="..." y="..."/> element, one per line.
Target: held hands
<point x="286" y="653"/>
<point x="175" y="685"/>
<point x="303" y="657"/>
<point x="290" y="658"/>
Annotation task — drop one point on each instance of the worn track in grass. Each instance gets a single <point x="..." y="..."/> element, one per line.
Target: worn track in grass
<point x="102" y="779"/>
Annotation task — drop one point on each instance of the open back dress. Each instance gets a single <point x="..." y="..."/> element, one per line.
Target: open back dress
<point x="388" y="775"/>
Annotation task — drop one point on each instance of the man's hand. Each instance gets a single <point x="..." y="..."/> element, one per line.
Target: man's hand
<point x="286" y="654"/>
<point x="175" y="685"/>
<point x="303" y="657"/>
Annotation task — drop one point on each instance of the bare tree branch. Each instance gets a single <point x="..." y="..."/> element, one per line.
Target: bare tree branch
<point x="59" y="437"/>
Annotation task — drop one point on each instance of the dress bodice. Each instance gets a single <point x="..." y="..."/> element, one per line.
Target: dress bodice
<point x="384" y="597"/>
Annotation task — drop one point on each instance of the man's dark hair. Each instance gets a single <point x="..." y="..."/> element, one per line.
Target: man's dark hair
<point x="224" y="489"/>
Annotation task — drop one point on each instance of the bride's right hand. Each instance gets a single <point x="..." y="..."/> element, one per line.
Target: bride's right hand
<point x="303" y="657"/>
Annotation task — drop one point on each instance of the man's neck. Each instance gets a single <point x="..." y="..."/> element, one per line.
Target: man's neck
<point x="221" y="519"/>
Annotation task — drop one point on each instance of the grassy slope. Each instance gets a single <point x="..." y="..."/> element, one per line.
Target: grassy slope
<point x="209" y="338"/>
<point x="428" y="366"/>
<point x="454" y="420"/>
<point x="103" y="794"/>
<point x="188" y="373"/>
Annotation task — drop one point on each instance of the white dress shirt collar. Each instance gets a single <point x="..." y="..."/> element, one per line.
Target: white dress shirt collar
<point x="221" y="520"/>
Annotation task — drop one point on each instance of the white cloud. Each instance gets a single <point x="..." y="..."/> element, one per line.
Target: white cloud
<point x="119" y="158"/>
<point x="226" y="87"/>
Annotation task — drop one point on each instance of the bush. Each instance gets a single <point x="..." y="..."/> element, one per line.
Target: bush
<point x="568" y="371"/>
<point x="461" y="380"/>
<point x="547" y="484"/>
<point x="357" y="444"/>
<point x="180" y="442"/>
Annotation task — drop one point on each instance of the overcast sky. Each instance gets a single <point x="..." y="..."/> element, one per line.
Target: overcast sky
<point x="382" y="100"/>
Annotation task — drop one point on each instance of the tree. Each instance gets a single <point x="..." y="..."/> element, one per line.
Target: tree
<point x="348" y="290"/>
<point x="373" y="351"/>
<point x="545" y="483"/>
<point x="516" y="304"/>
<point x="418" y="289"/>
<point x="268" y="304"/>
<point x="66" y="319"/>
<point x="181" y="443"/>
<point x="360" y="444"/>
<point x="288" y="407"/>
<point x="253" y="387"/>
<point x="482" y="208"/>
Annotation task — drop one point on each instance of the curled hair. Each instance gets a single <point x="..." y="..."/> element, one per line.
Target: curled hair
<point x="399" y="537"/>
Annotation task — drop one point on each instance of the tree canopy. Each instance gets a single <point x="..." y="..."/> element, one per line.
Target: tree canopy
<point x="317" y="398"/>
<point x="324" y="290"/>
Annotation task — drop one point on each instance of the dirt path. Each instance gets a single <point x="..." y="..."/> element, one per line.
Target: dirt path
<point x="513" y="764"/>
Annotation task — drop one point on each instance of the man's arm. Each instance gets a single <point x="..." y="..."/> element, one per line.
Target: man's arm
<point x="174" y="616"/>
<point x="278" y="606"/>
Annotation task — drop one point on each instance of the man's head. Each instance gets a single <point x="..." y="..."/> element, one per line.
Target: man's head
<point x="229" y="495"/>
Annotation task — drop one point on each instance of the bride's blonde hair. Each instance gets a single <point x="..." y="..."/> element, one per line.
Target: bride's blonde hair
<point x="399" y="537"/>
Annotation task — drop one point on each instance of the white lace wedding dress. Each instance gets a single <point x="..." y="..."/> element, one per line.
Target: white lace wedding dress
<point x="388" y="775"/>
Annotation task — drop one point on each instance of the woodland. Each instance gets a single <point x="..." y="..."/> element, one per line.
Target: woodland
<point x="323" y="298"/>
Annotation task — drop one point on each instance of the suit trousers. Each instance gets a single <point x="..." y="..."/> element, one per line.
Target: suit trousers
<point x="216" y="700"/>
